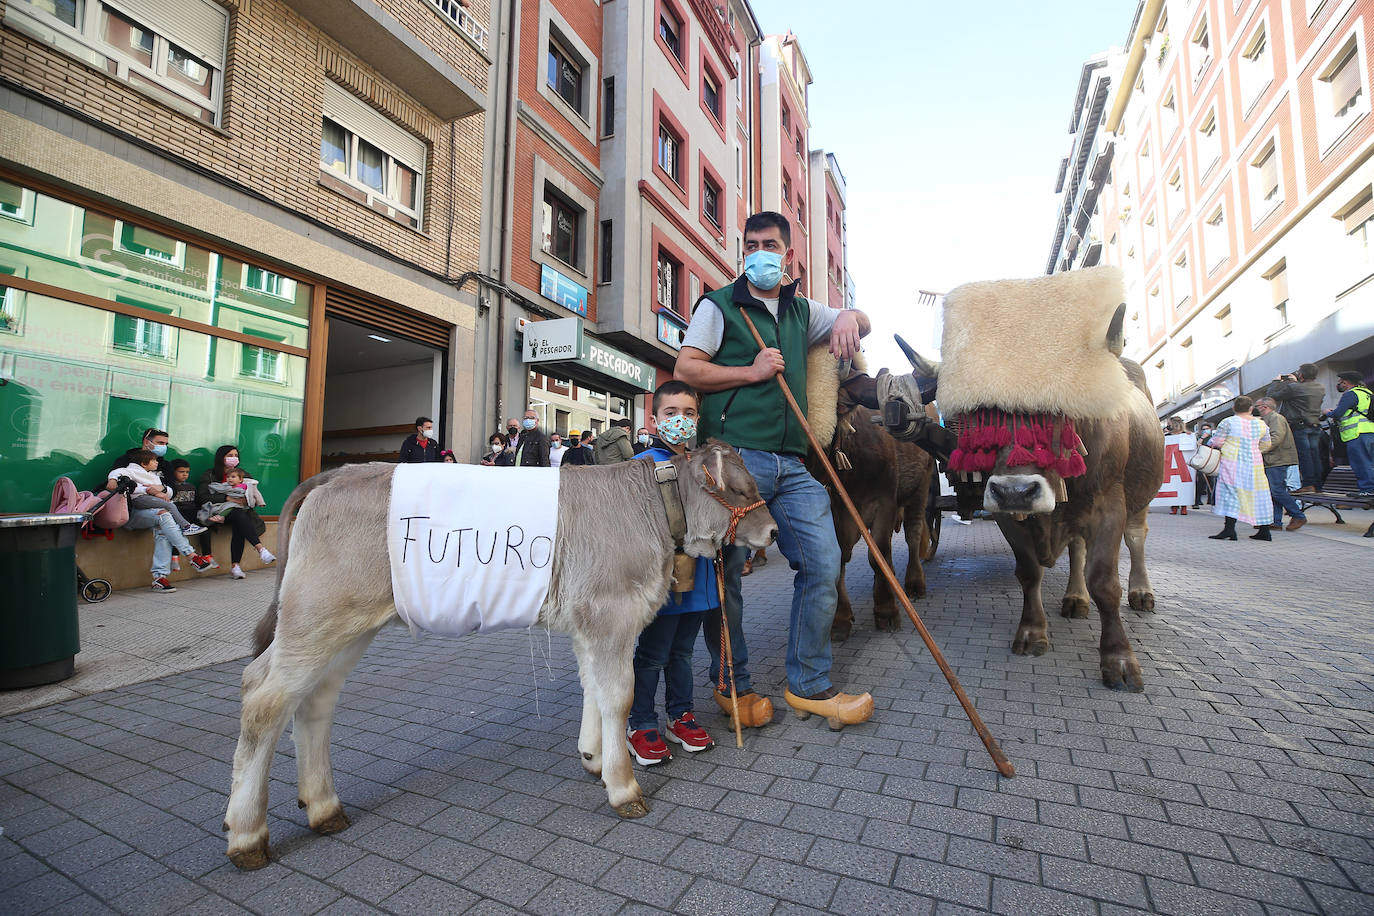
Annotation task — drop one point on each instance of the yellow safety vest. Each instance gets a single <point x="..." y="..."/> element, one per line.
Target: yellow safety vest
<point x="1356" y="422"/>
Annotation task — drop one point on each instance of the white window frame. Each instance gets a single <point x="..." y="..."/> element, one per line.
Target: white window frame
<point x="1209" y="143"/>
<point x="286" y="287"/>
<point x="1201" y="42"/>
<point x="175" y="258"/>
<point x="142" y="328"/>
<point x="1256" y="66"/>
<point x="674" y="272"/>
<point x="1215" y="242"/>
<point x="1180" y="277"/>
<point x="1168" y="117"/>
<point x="85" y="41"/>
<point x="1331" y="129"/>
<point x="360" y="121"/>
<point x="1260" y="206"/>
<point x="1357" y="225"/>
<point x="263" y="353"/>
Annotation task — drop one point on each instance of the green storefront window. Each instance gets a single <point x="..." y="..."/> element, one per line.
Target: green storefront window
<point x="74" y="400"/>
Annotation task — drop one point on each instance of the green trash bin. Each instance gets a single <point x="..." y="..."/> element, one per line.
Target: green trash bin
<point x="39" y="634"/>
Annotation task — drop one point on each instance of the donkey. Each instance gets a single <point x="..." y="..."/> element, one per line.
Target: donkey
<point x="612" y="568"/>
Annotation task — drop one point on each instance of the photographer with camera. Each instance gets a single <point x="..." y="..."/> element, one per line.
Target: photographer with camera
<point x="1299" y="396"/>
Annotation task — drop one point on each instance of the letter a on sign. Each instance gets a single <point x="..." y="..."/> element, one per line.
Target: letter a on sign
<point x="1178" y="476"/>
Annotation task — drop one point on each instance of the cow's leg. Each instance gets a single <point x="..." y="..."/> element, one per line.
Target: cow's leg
<point x="884" y="604"/>
<point x="916" y="539"/>
<point x="1033" y="632"/>
<point x="1139" y="593"/>
<point x="589" y="734"/>
<point x="266" y="706"/>
<point x="1076" y="595"/>
<point x="845" y="534"/>
<point x="1119" y="666"/>
<point x="608" y="663"/>
<point x="311" y="732"/>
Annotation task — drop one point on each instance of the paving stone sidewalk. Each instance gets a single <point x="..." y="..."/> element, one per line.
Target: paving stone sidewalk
<point x="1240" y="782"/>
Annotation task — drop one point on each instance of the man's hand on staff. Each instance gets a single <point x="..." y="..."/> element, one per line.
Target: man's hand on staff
<point x="768" y="363"/>
<point x="844" y="336"/>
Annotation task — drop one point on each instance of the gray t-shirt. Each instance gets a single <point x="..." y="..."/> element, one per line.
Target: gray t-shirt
<point x="707" y="327"/>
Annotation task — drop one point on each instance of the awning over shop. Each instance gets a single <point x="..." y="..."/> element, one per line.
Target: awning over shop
<point x="562" y="347"/>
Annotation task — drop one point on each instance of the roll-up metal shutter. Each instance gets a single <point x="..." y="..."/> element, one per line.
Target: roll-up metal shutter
<point x="370" y="124"/>
<point x="385" y="316"/>
<point x="198" y="26"/>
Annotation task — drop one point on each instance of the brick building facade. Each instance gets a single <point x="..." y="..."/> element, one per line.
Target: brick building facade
<point x="1242" y="195"/>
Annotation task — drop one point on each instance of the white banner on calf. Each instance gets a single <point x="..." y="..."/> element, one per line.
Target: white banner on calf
<point x="1179" y="484"/>
<point x="471" y="547"/>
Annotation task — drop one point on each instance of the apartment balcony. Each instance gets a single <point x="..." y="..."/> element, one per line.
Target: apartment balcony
<point x="377" y="37"/>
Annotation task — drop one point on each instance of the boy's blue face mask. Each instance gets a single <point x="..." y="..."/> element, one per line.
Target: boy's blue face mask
<point x="763" y="268"/>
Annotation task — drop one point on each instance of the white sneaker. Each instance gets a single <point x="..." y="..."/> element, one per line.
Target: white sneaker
<point x="237" y="573"/>
<point x="193" y="529"/>
<point x="267" y="558"/>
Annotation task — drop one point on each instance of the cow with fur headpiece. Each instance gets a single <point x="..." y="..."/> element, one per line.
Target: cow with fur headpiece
<point x="1057" y="438"/>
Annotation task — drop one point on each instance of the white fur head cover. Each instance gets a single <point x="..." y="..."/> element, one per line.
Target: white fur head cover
<point x="1035" y="346"/>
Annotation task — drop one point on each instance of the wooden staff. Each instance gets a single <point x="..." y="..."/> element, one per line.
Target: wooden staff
<point x="726" y="649"/>
<point x="999" y="759"/>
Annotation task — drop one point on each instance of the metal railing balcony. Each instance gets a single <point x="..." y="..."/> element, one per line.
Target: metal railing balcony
<point x="458" y="14"/>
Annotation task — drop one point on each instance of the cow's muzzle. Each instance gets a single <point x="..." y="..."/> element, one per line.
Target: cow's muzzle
<point x="1029" y="493"/>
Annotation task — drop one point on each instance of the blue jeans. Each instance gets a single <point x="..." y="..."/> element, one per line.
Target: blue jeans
<point x="1308" y="440"/>
<point x="1278" y="491"/>
<point x="666" y="646"/>
<point x="806" y="537"/>
<point x="166" y="535"/>
<point x="1360" y="451"/>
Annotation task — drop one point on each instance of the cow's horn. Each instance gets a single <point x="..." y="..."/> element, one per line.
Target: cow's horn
<point x="922" y="366"/>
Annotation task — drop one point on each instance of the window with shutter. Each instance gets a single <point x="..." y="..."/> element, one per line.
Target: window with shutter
<point x="369" y="157"/>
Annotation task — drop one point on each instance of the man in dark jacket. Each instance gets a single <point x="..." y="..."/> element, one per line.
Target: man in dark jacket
<point x="613" y="446"/>
<point x="1299" y="397"/>
<point x="155" y="441"/>
<point x="532" y="447"/>
<point x="574" y="453"/>
<point x="420" y="446"/>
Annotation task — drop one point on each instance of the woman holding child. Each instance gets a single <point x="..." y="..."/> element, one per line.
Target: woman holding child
<point x="228" y="496"/>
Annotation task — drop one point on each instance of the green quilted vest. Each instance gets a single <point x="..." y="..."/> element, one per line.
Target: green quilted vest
<point x="757" y="416"/>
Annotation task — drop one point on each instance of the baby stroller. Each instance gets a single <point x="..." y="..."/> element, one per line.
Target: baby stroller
<point x="66" y="498"/>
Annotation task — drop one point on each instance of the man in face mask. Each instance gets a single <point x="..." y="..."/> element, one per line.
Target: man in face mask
<point x="421" y="445"/>
<point x="155" y="441"/>
<point x="556" y="450"/>
<point x="532" y="449"/>
<point x="642" y="440"/>
<point x="743" y="405"/>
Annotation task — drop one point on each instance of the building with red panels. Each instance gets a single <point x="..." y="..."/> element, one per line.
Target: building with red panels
<point x="1242" y="195"/>
<point x="674" y="156"/>
<point x="827" y="230"/>
<point x="784" y="156"/>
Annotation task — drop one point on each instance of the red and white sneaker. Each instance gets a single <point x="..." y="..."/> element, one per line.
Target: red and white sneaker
<point x="685" y="731"/>
<point x="647" y="746"/>
<point x="161" y="584"/>
<point x="199" y="563"/>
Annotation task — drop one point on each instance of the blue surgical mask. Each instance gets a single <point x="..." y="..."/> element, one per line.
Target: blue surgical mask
<point x="644" y="439"/>
<point x="527" y="423"/>
<point x="158" y="450"/>
<point x="677" y="429"/>
<point x="763" y="268"/>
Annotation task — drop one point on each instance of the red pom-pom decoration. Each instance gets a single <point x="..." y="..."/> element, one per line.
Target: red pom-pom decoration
<point x="1043" y="458"/>
<point x="1077" y="467"/>
<point x="958" y="457"/>
<point x="1019" y="457"/>
<point x="1024" y="437"/>
<point x="1042" y="433"/>
<point x="1003" y="436"/>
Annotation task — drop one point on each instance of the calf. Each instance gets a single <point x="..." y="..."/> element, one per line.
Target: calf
<point x="612" y="568"/>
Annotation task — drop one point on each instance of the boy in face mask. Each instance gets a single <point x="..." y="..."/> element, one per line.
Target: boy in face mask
<point x="743" y="405"/>
<point x="666" y="643"/>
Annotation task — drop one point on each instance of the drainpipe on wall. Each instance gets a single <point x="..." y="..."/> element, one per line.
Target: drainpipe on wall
<point x="507" y="192"/>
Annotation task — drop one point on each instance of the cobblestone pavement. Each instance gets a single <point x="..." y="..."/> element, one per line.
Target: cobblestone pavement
<point x="1239" y="783"/>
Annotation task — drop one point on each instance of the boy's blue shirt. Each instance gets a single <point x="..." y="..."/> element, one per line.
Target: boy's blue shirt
<point x="704" y="595"/>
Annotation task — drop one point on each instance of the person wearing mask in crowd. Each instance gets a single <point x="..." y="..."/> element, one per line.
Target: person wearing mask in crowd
<point x="1278" y="461"/>
<point x="240" y="524"/>
<point x="1242" y="488"/>
<point x="589" y="445"/>
<point x="237" y="495"/>
<point x="742" y="404"/>
<point x="1299" y="396"/>
<point x="151" y="491"/>
<point x="512" y="431"/>
<point x="499" y="454"/>
<point x="1188" y="446"/>
<point x="642" y="440"/>
<point x="665" y="646"/>
<point x="1354" y="416"/>
<point x="167" y="534"/>
<point x="556" y="450"/>
<point x="421" y="445"/>
<point x="614" y="446"/>
<point x="532" y="448"/>
<point x="574" y="454"/>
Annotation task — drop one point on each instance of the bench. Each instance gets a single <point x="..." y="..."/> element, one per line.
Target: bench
<point x="1336" y="494"/>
